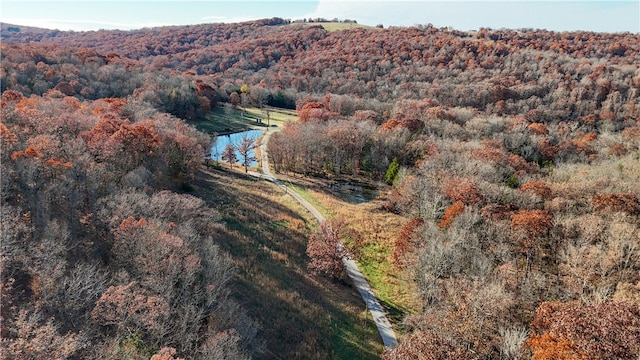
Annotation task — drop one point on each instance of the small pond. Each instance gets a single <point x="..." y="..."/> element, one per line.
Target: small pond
<point x="354" y="193"/>
<point x="235" y="139"/>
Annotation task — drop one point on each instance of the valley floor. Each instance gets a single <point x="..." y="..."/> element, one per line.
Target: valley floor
<point x="299" y="315"/>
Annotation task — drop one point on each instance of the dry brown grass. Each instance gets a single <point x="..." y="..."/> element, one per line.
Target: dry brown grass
<point x="302" y="316"/>
<point x="379" y="229"/>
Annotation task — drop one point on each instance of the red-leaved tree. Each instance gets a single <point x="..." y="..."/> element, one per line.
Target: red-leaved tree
<point x="427" y="345"/>
<point x="326" y="248"/>
<point x="450" y="213"/>
<point x="532" y="222"/>
<point x="609" y="330"/>
<point x="130" y="307"/>
<point x="405" y="237"/>
<point x="463" y="190"/>
<point x="620" y="202"/>
<point x="539" y="188"/>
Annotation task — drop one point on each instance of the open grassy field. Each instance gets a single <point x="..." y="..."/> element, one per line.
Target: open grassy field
<point x="379" y="230"/>
<point x="270" y="244"/>
<point x="228" y="119"/>
<point x="301" y="316"/>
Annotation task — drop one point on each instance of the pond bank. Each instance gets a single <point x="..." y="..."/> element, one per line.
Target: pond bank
<point x="221" y="141"/>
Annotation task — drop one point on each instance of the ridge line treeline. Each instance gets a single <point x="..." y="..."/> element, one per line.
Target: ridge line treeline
<point x="517" y="150"/>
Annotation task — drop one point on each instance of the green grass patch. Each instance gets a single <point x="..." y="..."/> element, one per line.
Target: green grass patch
<point x="307" y="195"/>
<point x="275" y="116"/>
<point x="227" y="119"/>
<point x="350" y="333"/>
<point x="280" y="224"/>
<point x="374" y="264"/>
<point x="373" y="260"/>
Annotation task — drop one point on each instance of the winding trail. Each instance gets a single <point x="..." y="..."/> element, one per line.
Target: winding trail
<point x="359" y="281"/>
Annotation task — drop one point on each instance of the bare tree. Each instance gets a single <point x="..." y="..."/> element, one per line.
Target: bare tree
<point x="229" y="154"/>
<point x="35" y="338"/>
<point x="245" y="149"/>
<point x="78" y="292"/>
<point x="511" y="346"/>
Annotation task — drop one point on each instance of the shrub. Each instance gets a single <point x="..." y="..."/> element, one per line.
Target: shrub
<point x="391" y="176"/>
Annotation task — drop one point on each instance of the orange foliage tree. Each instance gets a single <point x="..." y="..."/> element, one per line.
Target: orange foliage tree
<point x="549" y="347"/>
<point x="532" y="222"/>
<point x="618" y="149"/>
<point x="534" y="225"/>
<point x="540" y="188"/>
<point x="538" y="128"/>
<point x="492" y="151"/>
<point x="463" y="190"/>
<point x="405" y="237"/>
<point x="390" y="124"/>
<point x="313" y="110"/>
<point x="450" y="213"/>
<point x="621" y="202"/>
<point x="547" y="149"/>
<point x="29" y="152"/>
<point x="609" y="330"/>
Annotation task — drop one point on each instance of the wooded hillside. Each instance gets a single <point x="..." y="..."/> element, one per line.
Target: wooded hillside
<point x="506" y="71"/>
<point x="513" y="156"/>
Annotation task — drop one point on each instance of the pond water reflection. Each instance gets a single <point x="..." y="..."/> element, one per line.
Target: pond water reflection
<point x="235" y="139"/>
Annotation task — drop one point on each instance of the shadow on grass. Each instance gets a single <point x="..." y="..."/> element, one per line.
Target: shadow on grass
<point x="396" y="314"/>
<point x="302" y="316"/>
<point x="222" y="121"/>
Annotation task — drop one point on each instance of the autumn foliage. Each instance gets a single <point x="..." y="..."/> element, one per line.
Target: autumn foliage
<point x="405" y="239"/>
<point x="327" y="247"/>
<point x="129" y="306"/>
<point x="539" y="188"/>
<point x="82" y="202"/>
<point x="532" y="222"/>
<point x="538" y="128"/>
<point x="29" y="152"/>
<point x="624" y="202"/>
<point x="463" y="190"/>
<point x="548" y="347"/>
<point x="424" y="346"/>
<point x="313" y="111"/>
<point x="516" y="154"/>
<point x="594" y="331"/>
<point x="450" y="213"/>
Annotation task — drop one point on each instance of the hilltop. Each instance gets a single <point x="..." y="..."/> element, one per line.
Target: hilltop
<point x="504" y="67"/>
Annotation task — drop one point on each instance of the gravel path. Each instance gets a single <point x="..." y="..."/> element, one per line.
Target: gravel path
<point x="359" y="281"/>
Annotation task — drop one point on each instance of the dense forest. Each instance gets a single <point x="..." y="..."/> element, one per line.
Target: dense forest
<point x="512" y="155"/>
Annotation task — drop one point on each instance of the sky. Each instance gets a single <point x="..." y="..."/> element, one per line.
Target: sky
<point x="566" y="15"/>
